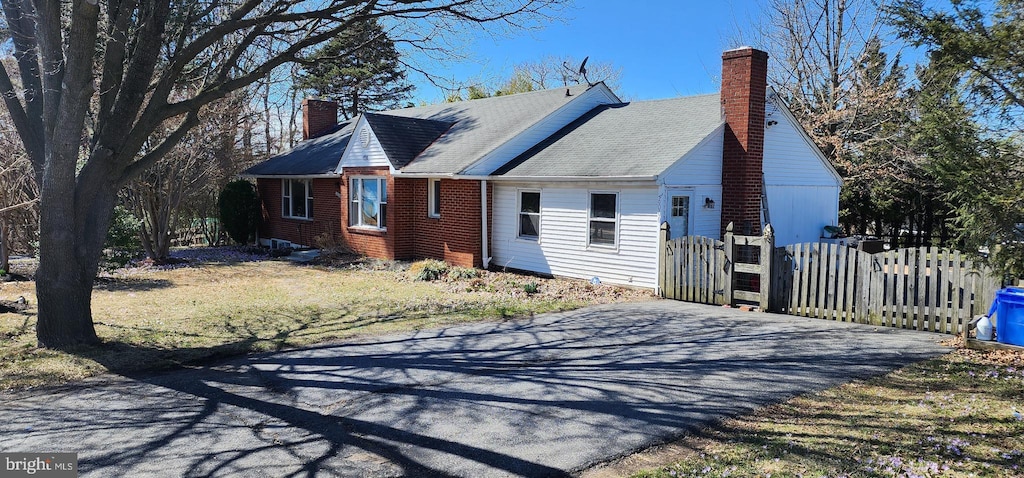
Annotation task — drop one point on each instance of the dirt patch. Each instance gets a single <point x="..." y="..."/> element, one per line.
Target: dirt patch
<point x="507" y="284"/>
<point x="525" y="286"/>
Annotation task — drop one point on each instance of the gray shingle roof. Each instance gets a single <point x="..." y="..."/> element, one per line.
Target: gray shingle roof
<point x="312" y="157"/>
<point x="402" y="137"/>
<point x="481" y="125"/>
<point x="641" y="138"/>
<point x="466" y="131"/>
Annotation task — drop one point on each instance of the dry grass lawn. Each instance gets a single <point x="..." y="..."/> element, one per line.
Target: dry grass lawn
<point x="959" y="415"/>
<point x="150" y="319"/>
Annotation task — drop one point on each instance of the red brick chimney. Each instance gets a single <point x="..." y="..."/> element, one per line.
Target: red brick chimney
<point x="744" y="81"/>
<point x="317" y="117"/>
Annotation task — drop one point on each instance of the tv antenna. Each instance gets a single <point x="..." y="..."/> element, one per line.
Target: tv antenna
<point x="581" y="71"/>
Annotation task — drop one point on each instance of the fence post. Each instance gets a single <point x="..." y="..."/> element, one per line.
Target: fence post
<point x="663" y="258"/>
<point x="767" y="251"/>
<point x="727" y="268"/>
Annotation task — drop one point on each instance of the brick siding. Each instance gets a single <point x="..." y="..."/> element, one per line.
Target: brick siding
<point x="411" y="233"/>
<point x="300" y="231"/>
<point x="455" y="236"/>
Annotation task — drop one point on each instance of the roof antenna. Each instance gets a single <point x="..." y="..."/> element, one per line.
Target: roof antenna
<point x="577" y="73"/>
<point x="583" y="71"/>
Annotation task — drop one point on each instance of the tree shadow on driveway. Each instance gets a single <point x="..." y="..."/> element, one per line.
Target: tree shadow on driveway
<point x="541" y="397"/>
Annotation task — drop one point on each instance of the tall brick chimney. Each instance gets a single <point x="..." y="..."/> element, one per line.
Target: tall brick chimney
<point x="744" y="82"/>
<point x="317" y="117"/>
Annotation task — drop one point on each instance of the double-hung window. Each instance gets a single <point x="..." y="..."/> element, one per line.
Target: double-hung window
<point x="434" y="197"/>
<point x="603" y="220"/>
<point x="529" y="215"/>
<point x="368" y="202"/>
<point x="296" y="198"/>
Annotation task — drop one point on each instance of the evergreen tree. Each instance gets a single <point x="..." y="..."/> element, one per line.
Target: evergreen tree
<point x="360" y="68"/>
<point x="971" y="118"/>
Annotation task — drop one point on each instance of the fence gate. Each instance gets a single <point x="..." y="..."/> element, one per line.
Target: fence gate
<point x="708" y="271"/>
<point x="693" y="268"/>
<point x="750" y="259"/>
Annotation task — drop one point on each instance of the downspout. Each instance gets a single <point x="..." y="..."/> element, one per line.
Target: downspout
<point x="484" y="236"/>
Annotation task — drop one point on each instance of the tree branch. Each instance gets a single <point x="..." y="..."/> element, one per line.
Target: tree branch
<point x="161" y="150"/>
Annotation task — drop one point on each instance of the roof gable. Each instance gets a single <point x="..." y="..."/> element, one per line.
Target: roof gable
<point x="403" y="138"/>
<point x="442" y="139"/>
<point x="776" y="104"/>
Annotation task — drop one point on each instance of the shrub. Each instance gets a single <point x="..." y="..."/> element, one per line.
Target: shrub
<point x="122" y="243"/>
<point x="331" y="246"/>
<point x="428" y="270"/>
<point x="530" y="288"/>
<point x="239" y="206"/>
<point x="123" y="234"/>
<point x="461" y="273"/>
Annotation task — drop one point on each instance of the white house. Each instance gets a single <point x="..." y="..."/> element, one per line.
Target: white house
<point x="569" y="182"/>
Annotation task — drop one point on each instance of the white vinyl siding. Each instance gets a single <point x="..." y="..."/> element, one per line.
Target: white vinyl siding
<point x="701" y="166"/>
<point x="562" y="248"/>
<point x="803" y="192"/>
<point x="698" y="175"/>
<point x="789" y="159"/>
<point x="799" y="213"/>
<point x="297" y="198"/>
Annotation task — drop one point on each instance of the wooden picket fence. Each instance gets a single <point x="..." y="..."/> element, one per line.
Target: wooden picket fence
<point x="928" y="289"/>
<point x="924" y="288"/>
<point x="694" y="270"/>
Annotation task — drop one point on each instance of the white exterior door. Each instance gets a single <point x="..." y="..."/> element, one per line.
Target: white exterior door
<point x="679" y="214"/>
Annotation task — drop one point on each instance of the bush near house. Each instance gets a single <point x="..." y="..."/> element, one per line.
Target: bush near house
<point x="239" y="206"/>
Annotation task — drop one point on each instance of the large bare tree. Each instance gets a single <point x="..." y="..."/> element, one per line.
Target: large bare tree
<point x="18" y="197"/>
<point x="837" y="65"/>
<point x="97" y="79"/>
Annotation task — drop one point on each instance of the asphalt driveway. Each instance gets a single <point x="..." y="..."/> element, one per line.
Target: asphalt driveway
<point x="541" y="397"/>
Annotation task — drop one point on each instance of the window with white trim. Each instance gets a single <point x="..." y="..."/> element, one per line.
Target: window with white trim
<point x="368" y="202"/>
<point x="603" y="219"/>
<point x="529" y="215"/>
<point x="434" y="197"/>
<point x="297" y="198"/>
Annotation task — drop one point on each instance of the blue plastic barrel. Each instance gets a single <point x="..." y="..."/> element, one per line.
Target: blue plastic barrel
<point x="1009" y="312"/>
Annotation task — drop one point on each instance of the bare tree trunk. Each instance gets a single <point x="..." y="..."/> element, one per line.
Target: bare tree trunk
<point x="68" y="263"/>
<point x="147" y="244"/>
<point x="5" y="257"/>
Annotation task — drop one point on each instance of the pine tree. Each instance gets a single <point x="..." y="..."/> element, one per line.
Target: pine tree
<point x="971" y="118"/>
<point x="361" y="69"/>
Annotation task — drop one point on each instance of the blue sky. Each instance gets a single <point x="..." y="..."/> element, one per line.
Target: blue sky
<point x="666" y="48"/>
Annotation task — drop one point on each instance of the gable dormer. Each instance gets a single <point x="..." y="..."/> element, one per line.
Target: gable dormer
<point x="380" y="140"/>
